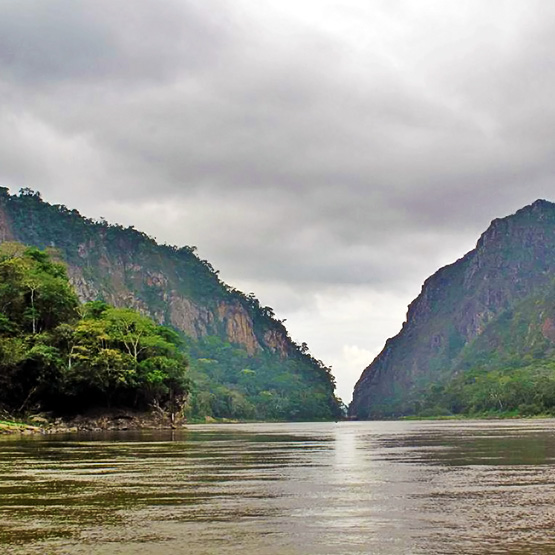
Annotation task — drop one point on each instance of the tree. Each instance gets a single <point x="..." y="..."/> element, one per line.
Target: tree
<point x="35" y="294"/>
<point x="118" y="349"/>
<point x="136" y="333"/>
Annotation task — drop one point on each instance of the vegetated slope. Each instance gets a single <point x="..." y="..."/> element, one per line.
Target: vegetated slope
<point x="243" y="362"/>
<point x="481" y="334"/>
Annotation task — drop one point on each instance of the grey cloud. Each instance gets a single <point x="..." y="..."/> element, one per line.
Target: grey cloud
<point x="60" y="40"/>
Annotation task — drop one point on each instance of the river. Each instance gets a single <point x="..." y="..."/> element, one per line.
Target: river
<point x="293" y="489"/>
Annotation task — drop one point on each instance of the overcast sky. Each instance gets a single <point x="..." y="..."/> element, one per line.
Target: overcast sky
<point x="326" y="155"/>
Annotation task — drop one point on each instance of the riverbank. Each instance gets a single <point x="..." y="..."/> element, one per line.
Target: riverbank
<point x="7" y="427"/>
<point x="114" y="420"/>
<point x="493" y="415"/>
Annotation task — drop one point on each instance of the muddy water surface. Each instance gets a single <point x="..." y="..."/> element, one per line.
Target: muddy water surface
<point x="345" y="488"/>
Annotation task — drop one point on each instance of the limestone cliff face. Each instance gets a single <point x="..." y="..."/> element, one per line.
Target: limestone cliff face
<point x="277" y="343"/>
<point x="196" y="321"/>
<point x="513" y="259"/>
<point x="85" y="290"/>
<point x="238" y="326"/>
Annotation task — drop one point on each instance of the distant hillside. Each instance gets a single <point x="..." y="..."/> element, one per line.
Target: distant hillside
<point x="481" y="335"/>
<point x="243" y="362"/>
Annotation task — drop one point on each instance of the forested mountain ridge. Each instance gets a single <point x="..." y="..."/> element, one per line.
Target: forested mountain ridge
<point x="243" y="362"/>
<point x="480" y="336"/>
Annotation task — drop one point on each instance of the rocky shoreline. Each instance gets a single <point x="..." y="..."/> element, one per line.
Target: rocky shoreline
<point x="118" y="420"/>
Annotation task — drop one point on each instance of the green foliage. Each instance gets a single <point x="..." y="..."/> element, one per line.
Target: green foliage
<point x="228" y="383"/>
<point x="35" y="295"/>
<point x="525" y="391"/>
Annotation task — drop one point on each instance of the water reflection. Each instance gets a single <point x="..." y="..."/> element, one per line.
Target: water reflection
<point x="346" y="488"/>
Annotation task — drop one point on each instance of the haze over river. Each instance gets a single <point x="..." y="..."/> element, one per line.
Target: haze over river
<point x="346" y="488"/>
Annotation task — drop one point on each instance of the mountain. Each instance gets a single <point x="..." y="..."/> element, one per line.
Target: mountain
<point x="243" y="362"/>
<point x="481" y="334"/>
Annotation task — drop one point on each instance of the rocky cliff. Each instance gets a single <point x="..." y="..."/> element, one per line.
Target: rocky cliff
<point x="458" y="310"/>
<point x="125" y="267"/>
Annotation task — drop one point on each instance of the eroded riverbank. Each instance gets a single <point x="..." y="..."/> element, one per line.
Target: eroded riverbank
<point x="100" y="421"/>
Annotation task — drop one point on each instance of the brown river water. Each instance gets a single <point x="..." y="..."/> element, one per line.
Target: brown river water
<point x="382" y="488"/>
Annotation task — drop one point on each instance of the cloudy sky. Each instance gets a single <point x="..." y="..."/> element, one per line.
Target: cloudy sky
<point x="326" y="155"/>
